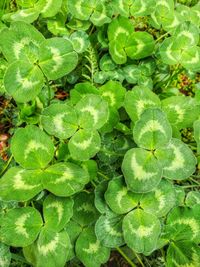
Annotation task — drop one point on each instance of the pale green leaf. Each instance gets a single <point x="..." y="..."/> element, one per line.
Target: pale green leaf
<point x="36" y="147"/>
<point x="152" y="130"/>
<point x="20" y="185"/>
<point x="20" y="227"/>
<point x="65" y="179"/>
<point x="57" y="57"/>
<point x="84" y="144"/>
<point x="60" y="120"/>
<point x="89" y="250"/>
<point x="5" y="255"/>
<point x="141" y="231"/>
<point x="57" y="212"/>
<point x="141" y="170"/>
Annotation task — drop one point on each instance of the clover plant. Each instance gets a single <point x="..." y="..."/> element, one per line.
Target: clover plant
<point x="105" y="139"/>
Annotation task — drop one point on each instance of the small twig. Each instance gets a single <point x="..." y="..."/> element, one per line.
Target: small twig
<point x="162" y="36"/>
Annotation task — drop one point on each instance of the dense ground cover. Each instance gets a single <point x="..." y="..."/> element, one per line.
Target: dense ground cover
<point x="99" y="133"/>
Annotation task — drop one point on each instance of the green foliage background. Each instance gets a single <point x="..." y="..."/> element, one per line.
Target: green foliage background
<point x="103" y="105"/>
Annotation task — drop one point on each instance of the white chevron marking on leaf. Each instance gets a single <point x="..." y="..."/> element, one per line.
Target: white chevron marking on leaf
<point x="34" y="145"/>
<point x="93" y="248"/>
<point x="93" y="112"/>
<point x="18" y="182"/>
<point x="141" y="231"/>
<point x="20" y="222"/>
<point x="138" y="170"/>
<point x="50" y="247"/>
<point x="111" y="97"/>
<point x="59" y="208"/>
<point x="152" y="126"/>
<point x="191" y="222"/>
<point x="66" y="176"/>
<point x="110" y="230"/>
<point x="120" y="195"/>
<point x="84" y="144"/>
<point x="178" y="162"/>
<point x="56" y="57"/>
<point x="141" y="105"/>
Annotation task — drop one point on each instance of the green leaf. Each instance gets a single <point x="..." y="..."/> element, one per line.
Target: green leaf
<point x="119" y="198"/>
<point x="80" y="41"/>
<point x="57" y="57"/>
<point x="183" y="253"/>
<point x="170" y="51"/>
<point x="89" y="250"/>
<point x="108" y="230"/>
<point x="192" y="198"/>
<point x="152" y="130"/>
<point x="80" y="90"/>
<point x="60" y="120"/>
<point x="183" y="224"/>
<point x="102" y="14"/>
<point x="140" y="45"/>
<point x="139" y="99"/>
<point x="177" y="159"/>
<point x="52" y="247"/>
<point x="28" y="15"/>
<point x="92" y="112"/>
<point x="36" y="148"/>
<point x="187" y="34"/>
<point x="19" y="184"/>
<point x="141" y="231"/>
<point x="113" y="92"/>
<point x="21" y="42"/>
<point x="191" y="59"/>
<point x="99" y="200"/>
<point x="81" y="9"/>
<point x="161" y="200"/>
<point x="48" y="8"/>
<point x="84" y="144"/>
<point x="20" y="227"/>
<point x="57" y="212"/>
<point x="141" y="170"/>
<point x="181" y="111"/>
<point x="84" y="210"/>
<point x="142" y="7"/>
<point x="65" y="179"/>
<point x="73" y="229"/>
<point x="23" y="81"/>
<point x="5" y="255"/>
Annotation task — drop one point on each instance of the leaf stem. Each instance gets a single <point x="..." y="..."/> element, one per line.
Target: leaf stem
<point x="162" y="36"/>
<point x="7" y="165"/>
<point x="126" y="257"/>
<point x="190" y="186"/>
<point x="47" y="84"/>
<point x="196" y="182"/>
<point x="104" y="176"/>
<point x="138" y="258"/>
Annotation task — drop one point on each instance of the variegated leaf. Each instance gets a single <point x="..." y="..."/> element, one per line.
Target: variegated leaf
<point x="23" y="81"/>
<point x="102" y="14"/>
<point x="84" y="210"/>
<point x="181" y="111"/>
<point x="28" y="15"/>
<point x="57" y="57"/>
<point x="190" y="59"/>
<point x="65" y="179"/>
<point x="113" y="92"/>
<point x="84" y="144"/>
<point x="99" y="199"/>
<point x="152" y="130"/>
<point x="108" y="230"/>
<point x="119" y="198"/>
<point x="139" y="99"/>
<point x="36" y="147"/>
<point x="183" y="254"/>
<point x="177" y="159"/>
<point x="141" y="231"/>
<point x="161" y="200"/>
<point x="60" y="120"/>
<point x="20" y="227"/>
<point x="142" y="7"/>
<point x="139" y="45"/>
<point x="21" y="42"/>
<point x="20" y="184"/>
<point x="52" y="248"/>
<point x="192" y="198"/>
<point x="57" y="212"/>
<point x="141" y="170"/>
<point x="184" y="224"/>
<point x="89" y="250"/>
<point x="48" y="8"/>
<point x="81" y="9"/>
<point x="80" y="41"/>
<point x="92" y="111"/>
